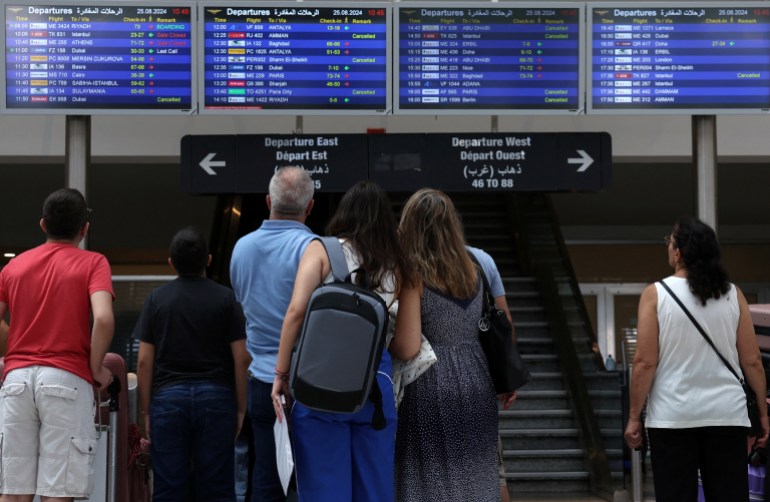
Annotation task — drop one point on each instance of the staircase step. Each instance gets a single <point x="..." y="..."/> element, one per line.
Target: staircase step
<point x="555" y="462"/>
<point x="540" y="439"/>
<point x="541" y="399"/>
<point x="547" y="484"/>
<point x="543" y="452"/>
<point x="527" y="313"/>
<point x="528" y="419"/>
<point x="540" y="362"/>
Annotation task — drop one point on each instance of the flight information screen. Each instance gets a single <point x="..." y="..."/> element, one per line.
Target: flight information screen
<point x="680" y="57"/>
<point x="483" y="57"/>
<point x="132" y="58"/>
<point x="298" y="57"/>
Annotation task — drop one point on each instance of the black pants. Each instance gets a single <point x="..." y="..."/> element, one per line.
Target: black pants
<point x="719" y="452"/>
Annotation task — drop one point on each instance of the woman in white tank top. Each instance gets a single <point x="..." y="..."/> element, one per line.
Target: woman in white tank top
<point x="696" y="408"/>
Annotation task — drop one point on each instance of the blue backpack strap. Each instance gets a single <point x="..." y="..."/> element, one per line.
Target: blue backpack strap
<point x="336" y="257"/>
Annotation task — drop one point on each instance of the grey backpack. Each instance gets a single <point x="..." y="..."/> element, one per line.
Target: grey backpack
<point x="335" y="361"/>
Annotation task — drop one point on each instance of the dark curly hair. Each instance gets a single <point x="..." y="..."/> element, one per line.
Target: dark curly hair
<point x="702" y="257"/>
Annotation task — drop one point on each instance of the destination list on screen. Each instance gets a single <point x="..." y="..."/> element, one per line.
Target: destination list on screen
<point x="112" y="56"/>
<point x="296" y="57"/>
<point x="680" y="57"/>
<point x="488" y="58"/>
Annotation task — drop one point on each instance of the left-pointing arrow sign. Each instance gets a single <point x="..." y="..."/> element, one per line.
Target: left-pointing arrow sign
<point x="585" y="160"/>
<point x="208" y="163"/>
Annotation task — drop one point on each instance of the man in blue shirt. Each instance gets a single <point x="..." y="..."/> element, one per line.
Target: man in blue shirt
<point x="262" y="271"/>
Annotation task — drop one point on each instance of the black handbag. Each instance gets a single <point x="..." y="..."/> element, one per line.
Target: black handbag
<point x="506" y="367"/>
<point x="752" y="407"/>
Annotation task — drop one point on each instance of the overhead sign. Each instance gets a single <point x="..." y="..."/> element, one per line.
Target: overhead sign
<point x="245" y="163"/>
<point x="402" y="162"/>
<point x="492" y="162"/>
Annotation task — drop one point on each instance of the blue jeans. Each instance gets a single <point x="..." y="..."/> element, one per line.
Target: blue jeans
<point x="193" y="432"/>
<point x="265" y="483"/>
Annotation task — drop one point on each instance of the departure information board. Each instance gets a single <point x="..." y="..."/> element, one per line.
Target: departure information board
<point x="680" y="57"/>
<point x="477" y="58"/>
<point x="98" y="57"/>
<point x="296" y="57"/>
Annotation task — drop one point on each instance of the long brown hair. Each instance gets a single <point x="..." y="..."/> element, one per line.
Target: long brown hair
<point x="365" y="219"/>
<point x="432" y="237"/>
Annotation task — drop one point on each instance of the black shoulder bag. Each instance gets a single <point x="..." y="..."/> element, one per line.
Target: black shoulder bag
<point x="752" y="407"/>
<point x="506" y="367"/>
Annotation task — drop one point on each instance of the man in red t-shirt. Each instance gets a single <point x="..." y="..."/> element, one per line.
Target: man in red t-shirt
<point x="54" y="357"/>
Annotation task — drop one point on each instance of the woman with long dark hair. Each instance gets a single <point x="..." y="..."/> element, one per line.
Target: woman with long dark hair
<point x="341" y="457"/>
<point x="696" y="408"/>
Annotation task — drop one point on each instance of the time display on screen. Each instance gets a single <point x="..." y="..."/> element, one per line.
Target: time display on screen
<point x="489" y="56"/>
<point x="296" y="57"/>
<point x="107" y="56"/>
<point x="675" y="57"/>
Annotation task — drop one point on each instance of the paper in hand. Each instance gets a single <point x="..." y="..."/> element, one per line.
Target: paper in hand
<point x="283" y="455"/>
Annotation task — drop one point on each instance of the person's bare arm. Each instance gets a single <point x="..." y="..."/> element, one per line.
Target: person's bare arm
<point x="144" y="368"/>
<point x="101" y="336"/>
<point x="408" y="335"/>
<point x="645" y="363"/>
<point x="241" y="361"/>
<point x="3" y="330"/>
<point x="751" y="363"/>
<point x="313" y="267"/>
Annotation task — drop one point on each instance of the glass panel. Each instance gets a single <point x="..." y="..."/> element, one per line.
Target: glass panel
<point x="129" y="300"/>
<point x="626" y="307"/>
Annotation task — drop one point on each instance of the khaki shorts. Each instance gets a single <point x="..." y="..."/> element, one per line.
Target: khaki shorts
<point x="47" y="433"/>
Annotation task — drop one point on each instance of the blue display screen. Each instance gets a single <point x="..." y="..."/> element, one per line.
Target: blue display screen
<point x="107" y="56"/>
<point x="488" y="57"/>
<point x="295" y="57"/>
<point x="659" y="58"/>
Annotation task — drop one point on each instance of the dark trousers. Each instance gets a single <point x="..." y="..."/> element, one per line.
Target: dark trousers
<point x="719" y="452"/>
<point x="265" y="483"/>
<point x="193" y="430"/>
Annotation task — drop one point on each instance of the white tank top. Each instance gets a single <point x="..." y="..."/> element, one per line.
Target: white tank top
<point x="692" y="387"/>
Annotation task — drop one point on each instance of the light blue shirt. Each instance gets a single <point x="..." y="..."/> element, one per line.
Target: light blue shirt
<point x="490" y="270"/>
<point x="262" y="271"/>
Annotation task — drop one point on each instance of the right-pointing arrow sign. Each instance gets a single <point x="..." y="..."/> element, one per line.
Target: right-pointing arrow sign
<point x="585" y="160"/>
<point x="208" y="163"/>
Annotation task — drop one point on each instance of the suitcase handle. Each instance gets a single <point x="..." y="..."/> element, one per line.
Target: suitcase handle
<point x="113" y="389"/>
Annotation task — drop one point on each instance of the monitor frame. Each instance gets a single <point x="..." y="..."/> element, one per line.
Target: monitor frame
<point x="673" y="110"/>
<point x="388" y="6"/>
<point x="489" y="110"/>
<point x="103" y="110"/>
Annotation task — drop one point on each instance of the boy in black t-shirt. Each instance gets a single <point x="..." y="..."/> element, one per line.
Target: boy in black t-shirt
<point x="192" y="372"/>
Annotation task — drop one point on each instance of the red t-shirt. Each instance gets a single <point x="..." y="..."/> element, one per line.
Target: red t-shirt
<point x="48" y="292"/>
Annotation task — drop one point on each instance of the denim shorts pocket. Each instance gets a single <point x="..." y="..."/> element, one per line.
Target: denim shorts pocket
<point x="80" y="463"/>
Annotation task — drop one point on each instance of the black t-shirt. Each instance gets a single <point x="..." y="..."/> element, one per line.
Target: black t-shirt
<point x="191" y="321"/>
